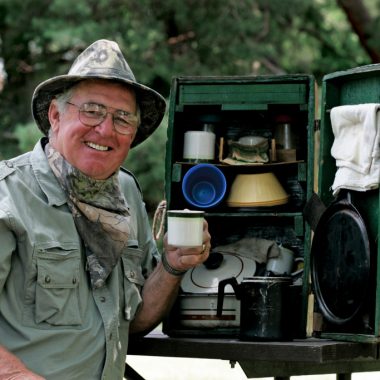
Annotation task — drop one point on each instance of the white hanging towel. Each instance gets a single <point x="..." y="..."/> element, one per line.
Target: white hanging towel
<point x="356" y="147"/>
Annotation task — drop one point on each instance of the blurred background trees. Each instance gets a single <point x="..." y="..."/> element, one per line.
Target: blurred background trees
<point x="163" y="39"/>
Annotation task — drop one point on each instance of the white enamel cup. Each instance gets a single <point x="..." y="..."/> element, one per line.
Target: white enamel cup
<point x="185" y="228"/>
<point x="283" y="264"/>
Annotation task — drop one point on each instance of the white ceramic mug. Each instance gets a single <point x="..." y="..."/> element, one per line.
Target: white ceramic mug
<point x="199" y="146"/>
<point x="283" y="264"/>
<point x="185" y="228"/>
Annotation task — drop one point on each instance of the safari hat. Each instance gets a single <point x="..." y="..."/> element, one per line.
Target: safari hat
<point x="101" y="60"/>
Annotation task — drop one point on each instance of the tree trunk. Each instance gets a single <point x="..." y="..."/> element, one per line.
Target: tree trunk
<point x="361" y="22"/>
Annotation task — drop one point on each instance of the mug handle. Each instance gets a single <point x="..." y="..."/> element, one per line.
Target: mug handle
<point x="298" y="271"/>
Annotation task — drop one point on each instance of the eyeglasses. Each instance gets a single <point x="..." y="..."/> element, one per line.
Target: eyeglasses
<point x="93" y="114"/>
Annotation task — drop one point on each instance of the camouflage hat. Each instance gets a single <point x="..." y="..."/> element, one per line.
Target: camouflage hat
<point x="101" y="60"/>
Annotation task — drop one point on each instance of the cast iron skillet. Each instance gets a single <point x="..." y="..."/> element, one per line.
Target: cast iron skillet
<point x="340" y="261"/>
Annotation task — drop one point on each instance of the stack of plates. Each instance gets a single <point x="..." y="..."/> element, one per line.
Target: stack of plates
<point x="256" y="190"/>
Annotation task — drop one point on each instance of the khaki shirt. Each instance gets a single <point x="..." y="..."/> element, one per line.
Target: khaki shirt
<point x="49" y="315"/>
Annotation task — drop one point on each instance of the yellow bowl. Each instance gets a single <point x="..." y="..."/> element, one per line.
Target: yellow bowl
<point x="256" y="190"/>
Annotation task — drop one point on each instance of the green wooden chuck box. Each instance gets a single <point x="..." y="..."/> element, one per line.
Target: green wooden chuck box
<point x="276" y="110"/>
<point x="340" y="263"/>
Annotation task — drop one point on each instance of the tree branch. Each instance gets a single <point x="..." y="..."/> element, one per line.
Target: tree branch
<point x="361" y="22"/>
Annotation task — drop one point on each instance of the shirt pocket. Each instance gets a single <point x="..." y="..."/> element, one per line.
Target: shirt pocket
<point x="56" y="289"/>
<point x="133" y="280"/>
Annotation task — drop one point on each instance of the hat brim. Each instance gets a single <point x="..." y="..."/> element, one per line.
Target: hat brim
<point x="152" y="104"/>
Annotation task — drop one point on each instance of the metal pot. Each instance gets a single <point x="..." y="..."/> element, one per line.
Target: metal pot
<point x="262" y="313"/>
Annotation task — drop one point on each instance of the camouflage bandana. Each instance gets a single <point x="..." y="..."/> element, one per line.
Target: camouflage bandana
<point x="100" y="213"/>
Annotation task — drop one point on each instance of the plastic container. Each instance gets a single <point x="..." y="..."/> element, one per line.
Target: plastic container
<point x="204" y="186"/>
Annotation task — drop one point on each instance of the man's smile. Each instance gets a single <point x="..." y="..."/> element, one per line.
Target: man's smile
<point x="96" y="146"/>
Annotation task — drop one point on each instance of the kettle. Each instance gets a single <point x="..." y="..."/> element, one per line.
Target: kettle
<point x="263" y="306"/>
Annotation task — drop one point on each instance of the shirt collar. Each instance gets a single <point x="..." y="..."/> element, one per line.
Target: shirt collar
<point x="44" y="175"/>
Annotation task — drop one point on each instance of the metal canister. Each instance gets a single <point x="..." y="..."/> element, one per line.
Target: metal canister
<point x="284" y="135"/>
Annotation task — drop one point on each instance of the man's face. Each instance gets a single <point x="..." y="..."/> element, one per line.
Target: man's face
<point x="95" y="151"/>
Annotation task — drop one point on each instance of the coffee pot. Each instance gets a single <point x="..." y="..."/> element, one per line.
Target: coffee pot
<point x="263" y="306"/>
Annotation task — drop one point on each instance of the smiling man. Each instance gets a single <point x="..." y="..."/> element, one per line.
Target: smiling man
<point x="93" y="136"/>
<point x="78" y="266"/>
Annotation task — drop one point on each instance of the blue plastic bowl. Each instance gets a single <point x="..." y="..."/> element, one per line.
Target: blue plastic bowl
<point x="204" y="186"/>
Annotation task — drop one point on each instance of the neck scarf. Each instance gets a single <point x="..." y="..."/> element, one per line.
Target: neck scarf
<point x="100" y="213"/>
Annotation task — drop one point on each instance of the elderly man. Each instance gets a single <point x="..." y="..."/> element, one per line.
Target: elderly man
<point x="77" y="255"/>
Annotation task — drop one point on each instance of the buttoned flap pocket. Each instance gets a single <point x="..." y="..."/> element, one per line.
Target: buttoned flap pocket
<point x="57" y="293"/>
<point x="133" y="280"/>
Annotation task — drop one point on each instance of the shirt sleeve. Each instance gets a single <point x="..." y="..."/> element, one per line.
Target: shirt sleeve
<point x="148" y="245"/>
<point x="7" y="247"/>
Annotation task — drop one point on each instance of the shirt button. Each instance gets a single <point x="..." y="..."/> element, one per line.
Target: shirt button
<point x="132" y="274"/>
<point x="102" y="299"/>
<point x="47" y="279"/>
<point x="74" y="280"/>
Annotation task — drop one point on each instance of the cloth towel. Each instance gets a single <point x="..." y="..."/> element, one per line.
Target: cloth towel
<point x="257" y="249"/>
<point x="356" y="147"/>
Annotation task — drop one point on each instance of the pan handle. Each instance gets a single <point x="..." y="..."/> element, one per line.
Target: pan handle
<point x="313" y="210"/>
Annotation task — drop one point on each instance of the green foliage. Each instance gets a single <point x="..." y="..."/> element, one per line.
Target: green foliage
<point x="163" y="39"/>
<point x="27" y="135"/>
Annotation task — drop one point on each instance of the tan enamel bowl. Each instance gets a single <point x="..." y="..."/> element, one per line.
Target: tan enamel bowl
<point x="256" y="190"/>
